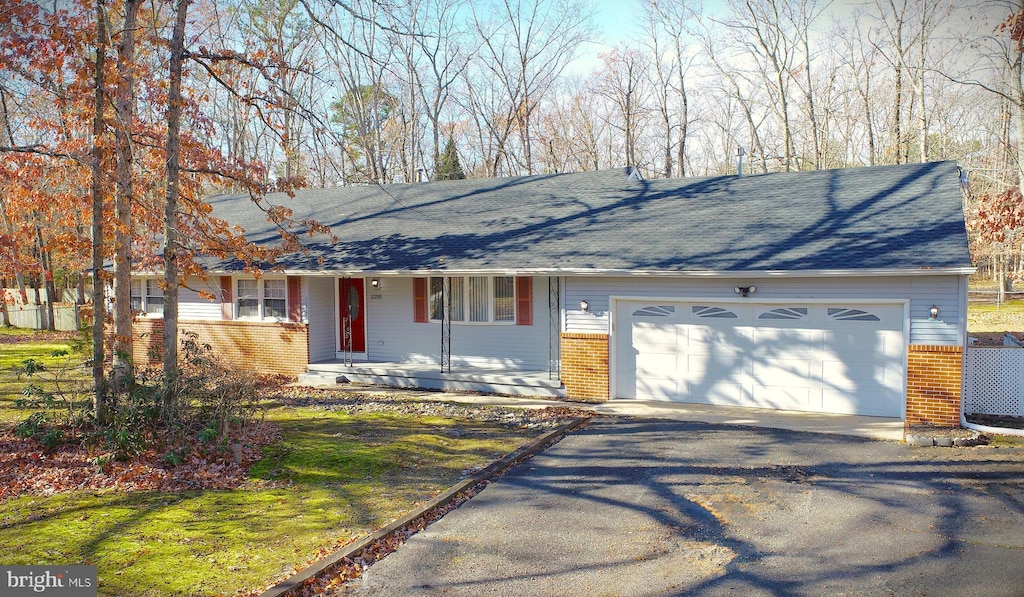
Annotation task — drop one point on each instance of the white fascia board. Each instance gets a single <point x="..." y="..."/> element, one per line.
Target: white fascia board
<point x="642" y="273"/>
<point x="760" y="273"/>
<point x="399" y="273"/>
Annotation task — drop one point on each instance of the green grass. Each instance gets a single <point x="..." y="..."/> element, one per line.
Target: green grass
<point x="347" y="475"/>
<point x="1008" y="317"/>
<point x="17" y="346"/>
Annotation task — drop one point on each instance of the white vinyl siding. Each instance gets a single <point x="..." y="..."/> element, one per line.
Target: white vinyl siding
<point x="321" y="301"/>
<point x="921" y="291"/>
<point x="392" y="336"/>
<point x="193" y="306"/>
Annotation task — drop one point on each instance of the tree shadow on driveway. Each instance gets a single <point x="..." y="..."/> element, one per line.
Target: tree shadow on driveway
<point x="639" y="507"/>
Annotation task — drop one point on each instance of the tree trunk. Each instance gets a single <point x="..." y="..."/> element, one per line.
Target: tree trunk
<point x="47" y="273"/>
<point x="174" y="100"/>
<point x="523" y="115"/>
<point x="1018" y="113"/>
<point x="666" y="171"/>
<point x="922" y="119"/>
<point x="816" y="135"/>
<point x="3" y="207"/>
<point x="897" y="121"/>
<point x="868" y="120"/>
<point x="124" y="105"/>
<point x="5" y="317"/>
<point x="684" y="128"/>
<point x="51" y="292"/>
<point x="80" y="290"/>
<point x="99" y="295"/>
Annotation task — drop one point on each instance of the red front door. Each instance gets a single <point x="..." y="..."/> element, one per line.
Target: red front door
<point x="352" y="310"/>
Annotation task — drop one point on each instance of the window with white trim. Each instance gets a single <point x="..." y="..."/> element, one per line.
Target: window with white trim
<point x="275" y="299"/>
<point x="261" y="299"/>
<point x="474" y="299"/>
<point x="137" y="294"/>
<point x="147" y="296"/>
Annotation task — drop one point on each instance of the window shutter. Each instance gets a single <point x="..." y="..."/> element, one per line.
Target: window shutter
<point x="294" y="298"/>
<point x="227" y="302"/>
<point x="419" y="300"/>
<point x="524" y="300"/>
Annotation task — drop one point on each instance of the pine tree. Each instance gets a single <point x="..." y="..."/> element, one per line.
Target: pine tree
<point x="449" y="168"/>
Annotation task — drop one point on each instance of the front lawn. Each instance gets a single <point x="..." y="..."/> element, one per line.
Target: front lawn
<point x="344" y="466"/>
<point x="1008" y="317"/>
<point x="333" y="477"/>
<point x="48" y="349"/>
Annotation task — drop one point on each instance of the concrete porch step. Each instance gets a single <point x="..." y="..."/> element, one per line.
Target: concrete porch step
<point x="526" y="383"/>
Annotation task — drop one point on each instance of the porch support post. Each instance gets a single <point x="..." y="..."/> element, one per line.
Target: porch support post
<point x="554" y="327"/>
<point x="446" y="325"/>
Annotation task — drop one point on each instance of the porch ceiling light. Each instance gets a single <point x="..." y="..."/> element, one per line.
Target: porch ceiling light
<point x="933" y="312"/>
<point x="745" y="290"/>
<point x="585" y="306"/>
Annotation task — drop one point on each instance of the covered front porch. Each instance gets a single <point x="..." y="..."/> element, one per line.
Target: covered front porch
<point x="430" y="376"/>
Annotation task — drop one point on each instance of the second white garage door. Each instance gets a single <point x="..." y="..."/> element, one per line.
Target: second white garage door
<point x="835" y="358"/>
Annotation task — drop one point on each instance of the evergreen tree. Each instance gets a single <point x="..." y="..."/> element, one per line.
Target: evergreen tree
<point x="449" y="168"/>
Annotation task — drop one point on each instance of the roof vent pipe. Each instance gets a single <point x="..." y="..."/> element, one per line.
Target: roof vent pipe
<point x="740" y="152"/>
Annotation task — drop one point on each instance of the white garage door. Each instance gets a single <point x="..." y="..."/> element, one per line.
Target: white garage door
<point x="839" y="358"/>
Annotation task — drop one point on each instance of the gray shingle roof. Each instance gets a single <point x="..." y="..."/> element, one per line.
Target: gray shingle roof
<point x="902" y="217"/>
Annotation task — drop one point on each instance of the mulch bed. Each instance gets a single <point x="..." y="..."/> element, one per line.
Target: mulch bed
<point x="997" y="421"/>
<point x="39" y="336"/>
<point x="993" y="338"/>
<point x="953" y="432"/>
<point x="26" y="467"/>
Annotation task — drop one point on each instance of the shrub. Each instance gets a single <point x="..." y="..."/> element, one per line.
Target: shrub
<point x="212" y="404"/>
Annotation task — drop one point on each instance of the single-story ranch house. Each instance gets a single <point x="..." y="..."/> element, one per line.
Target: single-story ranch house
<point x="833" y="291"/>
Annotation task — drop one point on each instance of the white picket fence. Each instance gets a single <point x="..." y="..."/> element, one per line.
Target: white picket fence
<point x="994" y="381"/>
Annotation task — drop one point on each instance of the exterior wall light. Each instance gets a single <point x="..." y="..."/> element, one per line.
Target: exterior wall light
<point x="745" y="290"/>
<point x="933" y="312"/>
<point x="375" y="283"/>
<point x="585" y="306"/>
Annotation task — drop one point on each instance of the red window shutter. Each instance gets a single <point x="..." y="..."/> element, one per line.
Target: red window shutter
<point x="226" y="300"/>
<point x="524" y="300"/>
<point x="419" y="300"/>
<point x="294" y="298"/>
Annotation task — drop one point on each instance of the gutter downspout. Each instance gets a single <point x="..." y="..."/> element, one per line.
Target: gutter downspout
<point x="986" y="428"/>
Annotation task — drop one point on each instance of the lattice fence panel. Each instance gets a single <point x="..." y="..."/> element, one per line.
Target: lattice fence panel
<point x="994" y="381"/>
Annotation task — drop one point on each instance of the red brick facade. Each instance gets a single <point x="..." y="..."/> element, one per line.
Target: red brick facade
<point x="585" y="366"/>
<point x="934" y="382"/>
<point x="266" y="347"/>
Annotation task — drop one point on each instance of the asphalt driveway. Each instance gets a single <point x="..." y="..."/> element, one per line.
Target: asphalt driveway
<point x="655" y="507"/>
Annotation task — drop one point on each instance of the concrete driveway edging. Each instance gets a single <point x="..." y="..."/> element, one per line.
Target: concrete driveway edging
<point x="327" y="563"/>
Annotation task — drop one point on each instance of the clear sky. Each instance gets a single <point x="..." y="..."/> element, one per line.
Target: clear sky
<point x="614" y="23"/>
